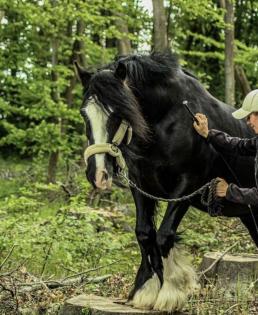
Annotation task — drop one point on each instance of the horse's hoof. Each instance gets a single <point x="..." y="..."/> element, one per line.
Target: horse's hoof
<point x="146" y="296"/>
<point x="170" y="298"/>
<point x="179" y="282"/>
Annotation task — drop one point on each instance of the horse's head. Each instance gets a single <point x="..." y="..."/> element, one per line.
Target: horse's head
<point x="111" y="113"/>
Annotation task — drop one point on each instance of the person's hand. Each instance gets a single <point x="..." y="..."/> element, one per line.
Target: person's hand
<point x="202" y="126"/>
<point x="221" y="188"/>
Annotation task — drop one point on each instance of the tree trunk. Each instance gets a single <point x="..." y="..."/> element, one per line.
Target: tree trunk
<point x="242" y="80"/>
<point x="1" y="15"/>
<point x="230" y="271"/>
<point x="79" y="44"/>
<point x="169" y="33"/>
<point x="52" y="167"/>
<point x="123" y="44"/>
<point x="160" y="38"/>
<point x="53" y="158"/>
<point x="77" y="54"/>
<point x="228" y="5"/>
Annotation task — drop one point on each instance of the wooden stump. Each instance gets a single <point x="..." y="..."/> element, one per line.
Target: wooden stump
<point x="231" y="271"/>
<point x="96" y="305"/>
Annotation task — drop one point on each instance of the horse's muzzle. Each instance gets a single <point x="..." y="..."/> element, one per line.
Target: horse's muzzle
<point x="102" y="179"/>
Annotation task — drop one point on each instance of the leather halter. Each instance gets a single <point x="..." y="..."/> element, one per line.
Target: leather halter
<point x="112" y="148"/>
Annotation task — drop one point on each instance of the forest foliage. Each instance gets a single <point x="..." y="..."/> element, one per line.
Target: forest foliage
<point x="47" y="211"/>
<point x="40" y="96"/>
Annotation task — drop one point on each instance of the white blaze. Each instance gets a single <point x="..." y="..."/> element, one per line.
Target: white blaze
<point x="98" y="121"/>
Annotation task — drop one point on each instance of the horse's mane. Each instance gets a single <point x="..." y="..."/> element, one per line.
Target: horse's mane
<point x="142" y="72"/>
<point x="117" y="100"/>
<point x="148" y="69"/>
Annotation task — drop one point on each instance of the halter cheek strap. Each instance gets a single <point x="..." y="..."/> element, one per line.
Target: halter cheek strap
<point x="120" y="134"/>
<point x="112" y="148"/>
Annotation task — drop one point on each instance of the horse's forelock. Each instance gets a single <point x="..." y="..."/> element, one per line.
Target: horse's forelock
<point x="116" y="97"/>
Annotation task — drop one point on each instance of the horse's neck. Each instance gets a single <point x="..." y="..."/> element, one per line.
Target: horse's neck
<point x="157" y="100"/>
<point x="154" y="108"/>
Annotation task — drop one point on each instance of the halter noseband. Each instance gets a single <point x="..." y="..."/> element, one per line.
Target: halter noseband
<point x="112" y="148"/>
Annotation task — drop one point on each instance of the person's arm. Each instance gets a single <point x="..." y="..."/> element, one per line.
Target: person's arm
<point x="245" y="196"/>
<point x="222" y="141"/>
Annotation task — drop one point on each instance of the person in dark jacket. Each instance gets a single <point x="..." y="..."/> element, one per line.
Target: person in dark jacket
<point x="249" y="147"/>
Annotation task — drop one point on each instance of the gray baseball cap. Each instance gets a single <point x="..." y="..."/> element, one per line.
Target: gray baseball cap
<point x="250" y="104"/>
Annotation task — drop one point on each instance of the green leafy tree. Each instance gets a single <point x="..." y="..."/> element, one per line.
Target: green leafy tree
<point x="39" y="96"/>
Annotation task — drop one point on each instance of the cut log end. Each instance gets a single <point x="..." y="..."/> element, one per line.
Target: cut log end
<point x="96" y="305"/>
<point x="231" y="270"/>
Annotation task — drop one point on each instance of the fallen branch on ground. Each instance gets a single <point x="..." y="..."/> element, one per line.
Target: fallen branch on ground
<point x="53" y="284"/>
<point x="66" y="190"/>
<point x="202" y="273"/>
<point x="7" y="257"/>
<point x="90" y="270"/>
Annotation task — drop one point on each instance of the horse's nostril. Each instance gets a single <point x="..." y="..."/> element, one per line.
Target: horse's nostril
<point x="105" y="175"/>
<point x="102" y="178"/>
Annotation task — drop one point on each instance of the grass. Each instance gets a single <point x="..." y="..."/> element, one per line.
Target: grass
<point x="55" y="236"/>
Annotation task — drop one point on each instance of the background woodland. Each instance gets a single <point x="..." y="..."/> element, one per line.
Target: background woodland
<point x="52" y="225"/>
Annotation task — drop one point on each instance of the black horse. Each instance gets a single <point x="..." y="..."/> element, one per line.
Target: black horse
<point x="166" y="158"/>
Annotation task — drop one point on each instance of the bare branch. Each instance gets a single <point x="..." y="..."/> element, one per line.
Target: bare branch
<point x="218" y="259"/>
<point x="53" y="284"/>
<point x="7" y="257"/>
<point x="90" y="270"/>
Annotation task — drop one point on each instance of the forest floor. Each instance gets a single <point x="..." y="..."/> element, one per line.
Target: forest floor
<point x="60" y="240"/>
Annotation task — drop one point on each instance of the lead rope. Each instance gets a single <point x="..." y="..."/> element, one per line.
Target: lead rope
<point x="209" y="187"/>
<point x="211" y="200"/>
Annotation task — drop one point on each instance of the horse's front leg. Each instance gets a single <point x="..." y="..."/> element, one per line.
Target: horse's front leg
<point x="179" y="276"/>
<point x="149" y="276"/>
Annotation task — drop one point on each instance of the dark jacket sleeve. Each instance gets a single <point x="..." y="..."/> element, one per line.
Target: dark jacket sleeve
<point x="222" y="142"/>
<point x="246" y="196"/>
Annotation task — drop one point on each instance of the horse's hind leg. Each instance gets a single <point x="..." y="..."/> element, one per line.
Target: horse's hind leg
<point x="149" y="276"/>
<point x="251" y="223"/>
<point x="179" y="276"/>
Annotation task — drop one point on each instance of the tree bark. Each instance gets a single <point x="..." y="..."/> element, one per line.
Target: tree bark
<point x="228" y="5"/>
<point x="1" y="15"/>
<point x="242" y="80"/>
<point x="77" y="54"/>
<point x="169" y="35"/>
<point x="160" y="37"/>
<point x="53" y="158"/>
<point x="79" y="44"/>
<point x="123" y="44"/>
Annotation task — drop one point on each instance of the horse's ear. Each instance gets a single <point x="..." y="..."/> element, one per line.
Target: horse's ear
<point x="82" y="74"/>
<point x="120" y="71"/>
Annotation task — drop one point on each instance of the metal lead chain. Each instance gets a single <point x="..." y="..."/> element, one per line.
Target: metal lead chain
<point x="184" y="198"/>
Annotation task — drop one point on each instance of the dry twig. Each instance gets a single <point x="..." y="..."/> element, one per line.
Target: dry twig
<point x="90" y="270"/>
<point x="230" y="308"/>
<point x="53" y="284"/>
<point x="218" y="259"/>
<point x="7" y="257"/>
